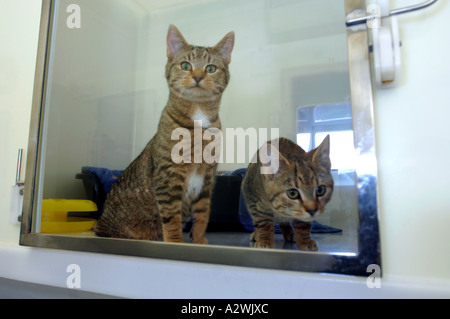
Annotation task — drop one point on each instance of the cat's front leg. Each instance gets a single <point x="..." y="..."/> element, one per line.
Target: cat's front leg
<point x="169" y="206"/>
<point x="200" y="214"/>
<point x="302" y="233"/>
<point x="172" y="228"/>
<point x="263" y="236"/>
<point x="201" y="205"/>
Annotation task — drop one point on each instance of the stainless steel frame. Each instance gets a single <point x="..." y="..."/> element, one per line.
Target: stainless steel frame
<point x="352" y="264"/>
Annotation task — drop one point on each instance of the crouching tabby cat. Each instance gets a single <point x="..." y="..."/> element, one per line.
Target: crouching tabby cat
<point x="154" y="194"/>
<point x="297" y="192"/>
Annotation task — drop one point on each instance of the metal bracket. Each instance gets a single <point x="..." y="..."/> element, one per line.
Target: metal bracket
<point x="361" y="20"/>
<point x="19" y="181"/>
<point x="17" y="193"/>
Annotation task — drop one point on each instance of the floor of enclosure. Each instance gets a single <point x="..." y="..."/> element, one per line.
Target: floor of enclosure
<point x="335" y="243"/>
<point x="343" y="242"/>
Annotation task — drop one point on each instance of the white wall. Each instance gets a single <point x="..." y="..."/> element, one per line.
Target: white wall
<point x="413" y="183"/>
<point x="19" y="27"/>
<point x="413" y="138"/>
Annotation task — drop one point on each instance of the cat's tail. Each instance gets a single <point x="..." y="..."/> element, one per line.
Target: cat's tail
<point x="143" y="230"/>
<point x="103" y="228"/>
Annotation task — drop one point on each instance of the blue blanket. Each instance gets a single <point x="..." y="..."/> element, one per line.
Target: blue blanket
<point x="107" y="177"/>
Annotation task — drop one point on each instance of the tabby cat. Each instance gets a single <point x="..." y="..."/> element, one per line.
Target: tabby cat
<point x="154" y="195"/>
<point x="297" y="192"/>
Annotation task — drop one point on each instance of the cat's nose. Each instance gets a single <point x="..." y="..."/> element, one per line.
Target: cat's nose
<point x="198" y="78"/>
<point x="312" y="212"/>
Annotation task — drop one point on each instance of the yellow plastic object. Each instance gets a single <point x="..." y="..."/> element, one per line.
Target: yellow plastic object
<point x="55" y="219"/>
<point x="69" y="225"/>
<point x="68" y="205"/>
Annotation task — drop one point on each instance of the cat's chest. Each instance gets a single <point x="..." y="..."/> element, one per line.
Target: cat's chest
<point x="202" y="117"/>
<point x="194" y="184"/>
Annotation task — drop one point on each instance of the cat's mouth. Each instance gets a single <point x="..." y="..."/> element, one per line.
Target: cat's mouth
<point x="306" y="217"/>
<point x="197" y="86"/>
<point x="197" y="91"/>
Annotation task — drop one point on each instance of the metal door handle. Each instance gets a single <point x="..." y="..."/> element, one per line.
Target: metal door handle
<point x="420" y="6"/>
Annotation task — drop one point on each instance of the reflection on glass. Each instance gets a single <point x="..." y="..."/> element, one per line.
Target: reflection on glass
<point x="316" y="122"/>
<point x="106" y="90"/>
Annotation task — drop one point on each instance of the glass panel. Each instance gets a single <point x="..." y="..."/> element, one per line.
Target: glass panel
<point x="314" y="123"/>
<point x="106" y="89"/>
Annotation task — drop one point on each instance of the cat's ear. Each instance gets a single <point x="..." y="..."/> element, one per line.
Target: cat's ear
<point x="175" y="41"/>
<point x="322" y="153"/>
<point x="272" y="161"/>
<point x="225" y="47"/>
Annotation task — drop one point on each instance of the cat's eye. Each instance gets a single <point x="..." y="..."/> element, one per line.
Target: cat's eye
<point x="186" y="66"/>
<point x="321" y="190"/>
<point x="293" y="193"/>
<point x="211" y="68"/>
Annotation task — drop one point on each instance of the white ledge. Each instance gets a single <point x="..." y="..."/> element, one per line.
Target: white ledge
<point x="136" y="277"/>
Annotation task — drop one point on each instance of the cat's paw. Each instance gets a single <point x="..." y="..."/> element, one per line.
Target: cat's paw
<point x="175" y="240"/>
<point x="202" y="241"/>
<point x="263" y="244"/>
<point x="309" y="245"/>
<point x="260" y="243"/>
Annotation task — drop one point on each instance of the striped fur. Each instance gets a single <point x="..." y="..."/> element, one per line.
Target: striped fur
<point x="153" y="197"/>
<point x="267" y="196"/>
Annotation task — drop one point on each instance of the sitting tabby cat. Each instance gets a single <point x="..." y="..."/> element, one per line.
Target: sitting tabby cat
<point x="297" y="192"/>
<point x="153" y="196"/>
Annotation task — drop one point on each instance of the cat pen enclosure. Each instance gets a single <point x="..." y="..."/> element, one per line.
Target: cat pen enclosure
<point x="296" y="67"/>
